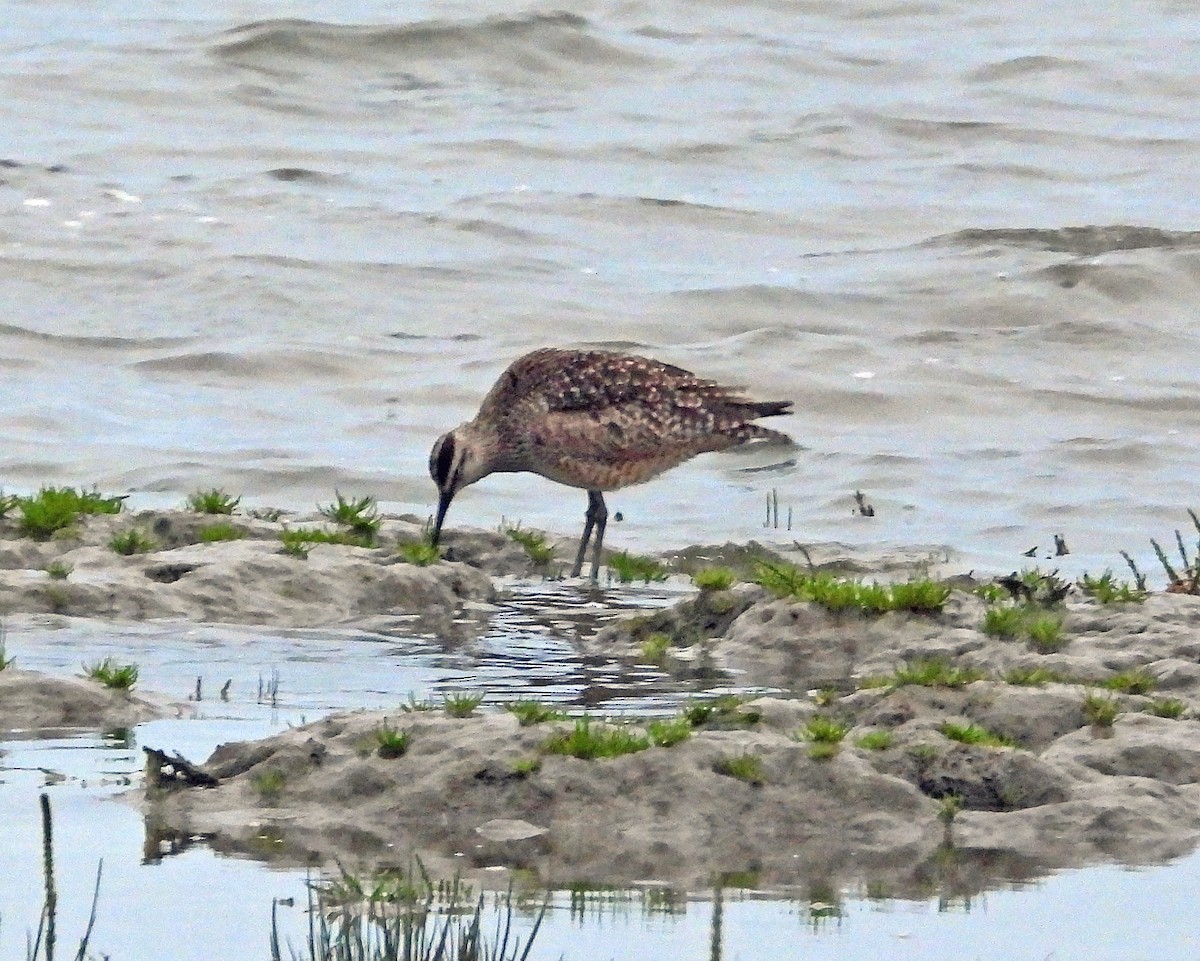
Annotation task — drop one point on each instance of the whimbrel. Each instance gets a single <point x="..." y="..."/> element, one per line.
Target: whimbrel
<point x="594" y="419"/>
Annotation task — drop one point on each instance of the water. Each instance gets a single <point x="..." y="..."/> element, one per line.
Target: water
<point x="150" y="898"/>
<point x="279" y="247"/>
<point x="149" y="886"/>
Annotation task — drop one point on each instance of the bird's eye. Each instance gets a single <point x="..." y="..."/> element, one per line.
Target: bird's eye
<point x="442" y="460"/>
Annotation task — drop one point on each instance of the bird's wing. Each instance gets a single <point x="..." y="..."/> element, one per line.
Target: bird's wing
<point x="564" y="380"/>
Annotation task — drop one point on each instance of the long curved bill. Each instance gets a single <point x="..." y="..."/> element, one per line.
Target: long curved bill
<point x="444" y="500"/>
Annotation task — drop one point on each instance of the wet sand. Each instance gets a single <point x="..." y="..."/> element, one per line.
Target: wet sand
<point x="1064" y="791"/>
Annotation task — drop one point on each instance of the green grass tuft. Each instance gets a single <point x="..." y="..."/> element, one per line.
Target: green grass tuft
<point x="992" y="593"/>
<point x="1031" y="676"/>
<point x="117" y="677"/>
<point x="669" y="733"/>
<point x="1100" y="710"/>
<point x="1130" y="682"/>
<point x="823" y="730"/>
<point x="1108" y="590"/>
<point x="525" y="766"/>
<point x="948" y="807"/>
<point x="592" y="742"/>
<point x="1004" y="622"/>
<point x="54" y="509"/>
<point x="132" y="541"/>
<point x="876" y="740"/>
<point x="539" y="552"/>
<point x="212" y="501"/>
<point x="725" y="712"/>
<point x="223" y="531"/>
<point x="421" y="553"/>
<point x="714" y="578"/>
<point x="655" y="649"/>
<point x="825" y="735"/>
<point x="59" y="570"/>
<point x="269" y="784"/>
<point x="744" y="767"/>
<point x="530" y="712"/>
<point x="360" y="515"/>
<point x="298" y="541"/>
<point x="1169" y="707"/>
<point x="461" y="705"/>
<point x="922" y="596"/>
<point x="934" y="672"/>
<point x="391" y="743"/>
<point x="635" y="567"/>
<point x="1046" y="634"/>
<point x="413" y="706"/>
<point x="974" y="734"/>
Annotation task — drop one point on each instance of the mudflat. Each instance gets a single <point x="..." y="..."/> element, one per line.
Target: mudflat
<point x="890" y="746"/>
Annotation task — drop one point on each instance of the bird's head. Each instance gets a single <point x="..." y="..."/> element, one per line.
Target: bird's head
<point x="458" y="459"/>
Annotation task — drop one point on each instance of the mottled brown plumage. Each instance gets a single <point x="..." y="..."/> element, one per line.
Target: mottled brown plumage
<point x="594" y="419"/>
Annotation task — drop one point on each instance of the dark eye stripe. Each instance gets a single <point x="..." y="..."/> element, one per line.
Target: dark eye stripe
<point x="445" y="460"/>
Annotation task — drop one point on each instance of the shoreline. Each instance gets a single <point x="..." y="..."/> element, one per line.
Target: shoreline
<point x="1006" y="759"/>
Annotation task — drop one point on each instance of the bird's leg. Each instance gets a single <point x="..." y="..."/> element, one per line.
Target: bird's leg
<point x="598" y="512"/>
<point x="588" y="523"/>
<point x="596" y="518"/>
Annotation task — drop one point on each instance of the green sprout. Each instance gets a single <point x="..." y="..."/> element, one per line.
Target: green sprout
<point x="669" y="733"/>
<point x="530" y="712"/>
<point x="1108" y="590"/>
<point x="876" y="740"/>
<point x="1131" y="682"/>
<point x="118" y="677"/>
<point x="391" y="743"/>
<point x="743" y="767"/>
<point x="537" y="549"/>
<point x="593" y="742"/>
<point x="54" y="509"/>
<point x="132" y="541"/>
<point x="421" y="553"/>
<point x="974" y="734"/>
<point x="212" y="501"/>
<point x="1099" y="710"/>
<point x="633" y="567"/>
<point x="714" y="578"/>
<point x="223" y="531"/>
<point x="59" y="570"/>
<point x="461" y="705"/>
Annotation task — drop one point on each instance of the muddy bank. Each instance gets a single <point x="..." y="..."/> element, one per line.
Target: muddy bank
<point x="248" y="579"/>
<point x="1041" y="783"/>
<point x="1006" y="758"/>
<point x="38" y="705"/>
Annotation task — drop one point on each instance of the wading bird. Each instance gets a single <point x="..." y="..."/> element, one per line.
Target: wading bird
<point x="594" y="419"/>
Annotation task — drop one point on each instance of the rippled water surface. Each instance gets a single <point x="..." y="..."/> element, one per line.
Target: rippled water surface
<point x="279" y="247"/>
<point x="207" y="902"/>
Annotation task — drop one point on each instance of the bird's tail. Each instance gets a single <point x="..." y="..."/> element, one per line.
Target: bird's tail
<point x="770" y="408"/>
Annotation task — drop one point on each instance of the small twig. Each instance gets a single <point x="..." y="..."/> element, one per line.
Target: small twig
<point x="1060" y="546"/>
<point x="1182" y="550"/>
<point x="1162" y="559"/>
<point x="808" y="557"/>
<point x="1138" y="576"/>
<point x="51" y="907"/>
